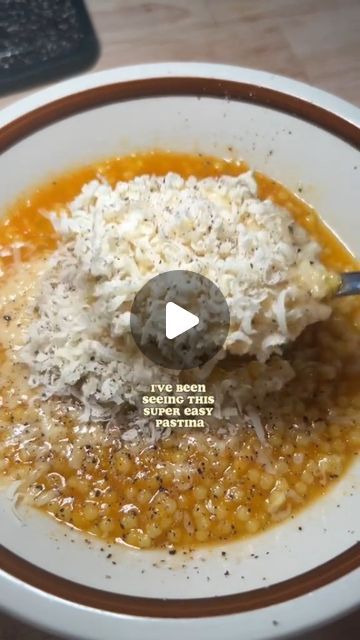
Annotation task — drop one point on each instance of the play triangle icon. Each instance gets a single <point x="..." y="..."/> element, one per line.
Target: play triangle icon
<point x="178" y="320"/>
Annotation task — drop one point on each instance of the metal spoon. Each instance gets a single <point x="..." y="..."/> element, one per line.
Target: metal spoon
<point x="350" y="284"/>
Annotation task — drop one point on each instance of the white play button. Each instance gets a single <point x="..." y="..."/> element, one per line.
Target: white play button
<point x="178" y="320"/>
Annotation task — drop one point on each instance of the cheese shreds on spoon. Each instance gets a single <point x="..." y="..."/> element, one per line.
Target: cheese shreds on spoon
<point x="113" y="240"/>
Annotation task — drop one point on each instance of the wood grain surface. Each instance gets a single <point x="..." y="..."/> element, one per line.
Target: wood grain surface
<point x="317" y="41"/>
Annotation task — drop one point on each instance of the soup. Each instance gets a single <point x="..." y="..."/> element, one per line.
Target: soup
<point x="192" y="486"/>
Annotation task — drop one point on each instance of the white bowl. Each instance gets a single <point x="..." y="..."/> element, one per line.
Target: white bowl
<point x="283" y="580"/>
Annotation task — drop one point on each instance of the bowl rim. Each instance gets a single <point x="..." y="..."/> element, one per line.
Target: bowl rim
<point x="232" y="83"/>
<point x="258" y="87"/>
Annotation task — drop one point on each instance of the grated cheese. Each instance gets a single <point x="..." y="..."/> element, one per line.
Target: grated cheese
<point x="113" y="240"/>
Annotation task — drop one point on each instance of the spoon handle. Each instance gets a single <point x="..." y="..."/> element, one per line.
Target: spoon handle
<point x="350" y="284"/>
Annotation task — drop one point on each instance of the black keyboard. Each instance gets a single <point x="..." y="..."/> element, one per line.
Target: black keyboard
<point x="42" y="40"/>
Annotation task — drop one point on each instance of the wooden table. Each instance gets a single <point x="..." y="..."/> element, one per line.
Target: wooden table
<point x="312" y="40"/>
<point x="317" y="41"/>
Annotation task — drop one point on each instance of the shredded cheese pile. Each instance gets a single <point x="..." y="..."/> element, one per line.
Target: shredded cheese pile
<point x="113" y="240"/>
